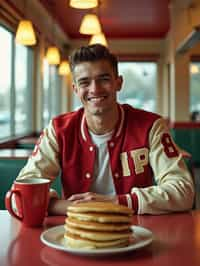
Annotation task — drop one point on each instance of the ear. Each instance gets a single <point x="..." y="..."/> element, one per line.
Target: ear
<point x="74" y="87"/>
<point x="119" y="82"/>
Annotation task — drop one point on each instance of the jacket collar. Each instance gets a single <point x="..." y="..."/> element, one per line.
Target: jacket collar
<point x="84" y="129"/>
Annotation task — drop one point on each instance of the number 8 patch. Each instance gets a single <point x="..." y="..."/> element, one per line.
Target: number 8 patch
<point x="169" y="147"/>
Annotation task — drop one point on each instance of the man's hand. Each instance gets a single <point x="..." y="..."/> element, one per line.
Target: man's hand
<point x="59" y="206"/>
<point x="90" y="196"/>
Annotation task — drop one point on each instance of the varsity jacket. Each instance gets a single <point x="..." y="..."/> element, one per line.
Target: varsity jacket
<point x="148" y="170"/>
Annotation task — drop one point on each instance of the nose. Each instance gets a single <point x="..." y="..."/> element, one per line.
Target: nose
<point x="95" y="85"/>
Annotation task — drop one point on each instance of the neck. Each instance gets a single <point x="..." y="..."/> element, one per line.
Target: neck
<point x="102" y="124"/>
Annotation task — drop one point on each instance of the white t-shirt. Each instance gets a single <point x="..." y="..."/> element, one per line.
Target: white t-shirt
<point x="102" y="179"/>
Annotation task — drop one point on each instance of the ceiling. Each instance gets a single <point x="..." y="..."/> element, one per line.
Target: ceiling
<point x="119" y="18"/>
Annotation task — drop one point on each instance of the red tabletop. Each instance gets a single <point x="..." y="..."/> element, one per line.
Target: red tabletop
<point x="176" y="243"/>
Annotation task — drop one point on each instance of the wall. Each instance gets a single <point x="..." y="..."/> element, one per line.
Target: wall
<point x="183" y="18"/>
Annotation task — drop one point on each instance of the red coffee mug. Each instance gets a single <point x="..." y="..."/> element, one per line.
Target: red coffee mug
<point x="31" y="199"/>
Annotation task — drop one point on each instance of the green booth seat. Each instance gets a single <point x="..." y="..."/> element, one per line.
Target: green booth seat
<point x="25" y="146"/>
<point x="57" y="185"/>
<point x="187" y="137"/>
<point x="182" y="138"/>
<point x="195" y="139"/>
<point x="9" y="169"/>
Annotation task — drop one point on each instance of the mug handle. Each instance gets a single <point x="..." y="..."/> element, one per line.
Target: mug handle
<point x="8" y="203"/>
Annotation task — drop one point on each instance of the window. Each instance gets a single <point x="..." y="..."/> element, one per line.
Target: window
<point x="15" y="86"/>
<point x="5" y="82"/>
<point x="46" y="85"/>
<point x="55" y="92"/>
<point x="195" y="90"/>
<point x="23" y="88"/>
<point x="76" y="103"/>
<point x="139" y="87"/>
<point x="51" y="93"/>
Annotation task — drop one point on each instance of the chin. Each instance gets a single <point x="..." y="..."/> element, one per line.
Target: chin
<point x="98" y="111"/>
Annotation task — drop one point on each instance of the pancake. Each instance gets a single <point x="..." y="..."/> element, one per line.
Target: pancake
<point x="106" y="207"/>
<point x="75" y="241"/>
<point x="100" y="217"/>
<point x="96" y="226"/>
<point x="98" y="235"/>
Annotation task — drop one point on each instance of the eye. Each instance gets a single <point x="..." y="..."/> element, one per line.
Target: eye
<point x="83" y="83"/>
<point x="104" y="79"/>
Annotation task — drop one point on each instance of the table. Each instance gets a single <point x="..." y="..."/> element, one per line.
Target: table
<point x="16" y="154"/>
<point x="176" y="243"/>
<point x="27" y="143"/>
<point x="28" y="140"/>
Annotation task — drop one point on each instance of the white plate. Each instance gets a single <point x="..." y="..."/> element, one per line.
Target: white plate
<point x="53" y="237"/>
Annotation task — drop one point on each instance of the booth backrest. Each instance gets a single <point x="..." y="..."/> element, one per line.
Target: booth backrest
<point x="187" y="136"/>
<point x="9" y="169"/>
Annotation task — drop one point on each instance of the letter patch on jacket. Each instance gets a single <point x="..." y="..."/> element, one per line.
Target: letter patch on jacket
<point x="169" y="147"/>
<point x="140" y="159"/>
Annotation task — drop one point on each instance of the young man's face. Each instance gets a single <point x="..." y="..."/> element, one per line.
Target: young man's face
<point x="96" y="85"/>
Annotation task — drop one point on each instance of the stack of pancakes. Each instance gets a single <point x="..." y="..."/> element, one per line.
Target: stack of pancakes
<point x="98" y="225"/>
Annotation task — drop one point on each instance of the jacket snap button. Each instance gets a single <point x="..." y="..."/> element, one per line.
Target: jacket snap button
<point x="116" y="175"/>
<point x="88" y="175"/>
<point x="112" y="144"/>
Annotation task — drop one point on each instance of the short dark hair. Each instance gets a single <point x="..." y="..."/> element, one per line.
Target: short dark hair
<point x="92" y="53"/>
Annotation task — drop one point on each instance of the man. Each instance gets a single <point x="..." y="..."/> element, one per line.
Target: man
<point x="107" y="151"/>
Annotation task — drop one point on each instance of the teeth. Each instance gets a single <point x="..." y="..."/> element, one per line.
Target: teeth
<point x="96" y="98"/>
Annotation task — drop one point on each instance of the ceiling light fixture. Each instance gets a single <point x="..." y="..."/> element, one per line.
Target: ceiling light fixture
<point x="90" y="25"/>
<point x="25" y="34"/>
<point x="83" y="4"/>
<point x="98" y="38"/>
<point x="53" y="55"/>
<point x="64" y="68"/>
<point x="194" y="69"/>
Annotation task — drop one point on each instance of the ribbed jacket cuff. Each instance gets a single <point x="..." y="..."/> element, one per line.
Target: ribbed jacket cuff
<point x="122" y="199"/>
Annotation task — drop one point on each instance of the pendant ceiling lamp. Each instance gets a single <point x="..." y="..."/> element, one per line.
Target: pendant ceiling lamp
<point x="83" y="4"/>
<point x="90" y="25"/>
<point x="98" y="38"/>
<point x="194" y="69"/>
<point x="25" y="34"/>
<point x="64" y="68"/>
<point x="53" y="55"/>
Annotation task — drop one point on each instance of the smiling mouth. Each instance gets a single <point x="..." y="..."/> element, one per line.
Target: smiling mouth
<point x="96" y="99"/>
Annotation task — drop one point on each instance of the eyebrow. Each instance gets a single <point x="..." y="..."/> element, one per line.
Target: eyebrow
<point x="104" y="75"/>
<point x="98" y="76"/>
<point x="82" y="79"/>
